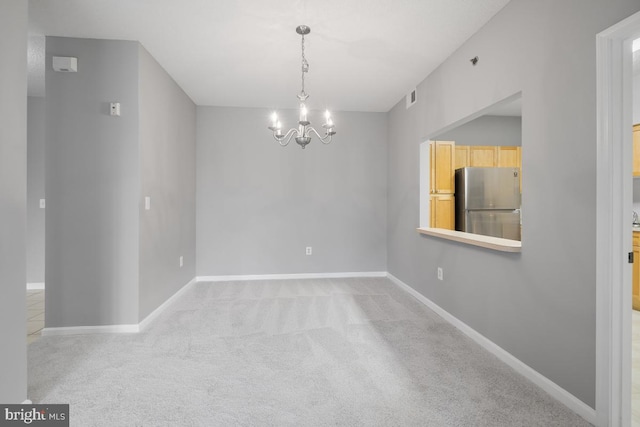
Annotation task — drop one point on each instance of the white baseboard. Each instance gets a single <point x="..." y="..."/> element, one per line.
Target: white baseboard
<point x="27" y="402"/>
<point x="117" y="329"/>
<point x="237" y="278"/>
<point x="557" y="392"/>
<point x="133" y="328"/>
<point x="35" y="286"/>
<point x="155" y="313"/>
<point x="82" y="330"/>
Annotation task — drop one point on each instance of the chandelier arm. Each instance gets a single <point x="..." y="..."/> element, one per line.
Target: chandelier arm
<point x="286" y="137"/>
<point x="326" y="139"/>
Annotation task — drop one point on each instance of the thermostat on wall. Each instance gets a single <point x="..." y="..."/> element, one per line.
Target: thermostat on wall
<point x="66" y="64"/>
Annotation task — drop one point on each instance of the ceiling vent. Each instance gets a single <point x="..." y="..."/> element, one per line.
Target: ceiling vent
<point x="412" y="97"/>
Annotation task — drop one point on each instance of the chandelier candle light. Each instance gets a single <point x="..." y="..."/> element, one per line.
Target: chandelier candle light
<point x="304" y="130"/>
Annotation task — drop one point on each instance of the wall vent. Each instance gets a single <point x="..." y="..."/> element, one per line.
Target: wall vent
<point x="65" y="64"/>
<point x="412" y="97"/>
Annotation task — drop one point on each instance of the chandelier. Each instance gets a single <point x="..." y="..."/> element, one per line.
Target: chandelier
<point x="304" y="130"/>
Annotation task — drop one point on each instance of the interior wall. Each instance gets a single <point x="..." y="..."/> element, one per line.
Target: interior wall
<point x="13" y="194"/>
<point x="538" y="305"/>
<point x="487" y="130"/>
<point x="260" y="205"/>
<point x="92" y="185"/>
<point x="35" y="189"/>
<point x="167" y="175"/>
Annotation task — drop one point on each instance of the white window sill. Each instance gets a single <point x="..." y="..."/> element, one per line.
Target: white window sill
<point x="489" y="242"/>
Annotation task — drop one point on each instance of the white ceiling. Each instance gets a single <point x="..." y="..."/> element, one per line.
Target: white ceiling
<point x="364" y="55"/>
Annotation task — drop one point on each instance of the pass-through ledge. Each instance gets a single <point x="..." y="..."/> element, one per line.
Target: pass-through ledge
<point x="489" y="242"/>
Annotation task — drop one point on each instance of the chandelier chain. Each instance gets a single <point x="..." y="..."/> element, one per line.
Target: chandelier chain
<point x="305" y="66"/>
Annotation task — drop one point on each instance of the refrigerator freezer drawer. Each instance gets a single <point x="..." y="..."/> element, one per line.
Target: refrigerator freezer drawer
<point x="497" y="223"/>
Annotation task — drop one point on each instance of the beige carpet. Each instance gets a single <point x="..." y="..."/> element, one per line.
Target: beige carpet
<point x="339" y="352"/>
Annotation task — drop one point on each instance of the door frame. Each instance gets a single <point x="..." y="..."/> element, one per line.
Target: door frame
<point x="613" y="232"/>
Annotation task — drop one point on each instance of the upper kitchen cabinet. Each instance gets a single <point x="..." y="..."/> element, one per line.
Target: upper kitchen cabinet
<point x="442" y="167"/>
<point x="462" y="156"/>
<point x="483" y="156"/>
<point x="636" y="150"/>
<point x="509" y="157"/>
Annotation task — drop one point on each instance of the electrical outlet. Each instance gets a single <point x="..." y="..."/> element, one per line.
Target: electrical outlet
<point x="114" y="109"/>
<point x="147" y="203"/>
<point x="309" y="250"/>
<point x="42" y="203"/>
<point x="181" y="260"/>
<point x="440" y="274"/>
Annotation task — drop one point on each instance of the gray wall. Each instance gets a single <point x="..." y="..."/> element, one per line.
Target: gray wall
<point x="35" y="189"/>
<point x="92" y="185"/>
<point x="167" y="175"/>
<point x="539" y="305"/>
<point x="487" y="130"/>
<point x="259" y="205"/>
<point x="13" y="194"/>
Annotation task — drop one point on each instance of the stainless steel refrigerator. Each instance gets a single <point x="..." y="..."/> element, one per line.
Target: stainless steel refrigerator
<point x="488" y="201"/>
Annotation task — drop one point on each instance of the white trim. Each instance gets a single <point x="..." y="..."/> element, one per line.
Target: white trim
<point x="613" y="239"/>
<point x="425" y="185"/>
<point x="532" y="375"/>
<point x="27" y="402"/>
<point x="114" y="329"/>
<point x="82" y="330"/>
<point x="236" y="278"/>
<point x="35" y="286"/>
<point x="155" y="313"/>
<point x="118" y="329"/>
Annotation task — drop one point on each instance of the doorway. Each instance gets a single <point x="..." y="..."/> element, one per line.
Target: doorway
<point x="614" y="207"/>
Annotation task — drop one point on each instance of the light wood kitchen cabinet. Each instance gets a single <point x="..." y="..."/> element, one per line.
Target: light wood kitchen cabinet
<point x="636" y="150"/>
<point x="635" y="287"/>
<point x="442" y="167"/>
<point x="443" y="211"/>
<point x="442" y="202"/>
<point x="483" y="156"/>
<point x="461" y="156"/>
<point x="508" y="157"/>
<point x="511" y="157"/>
